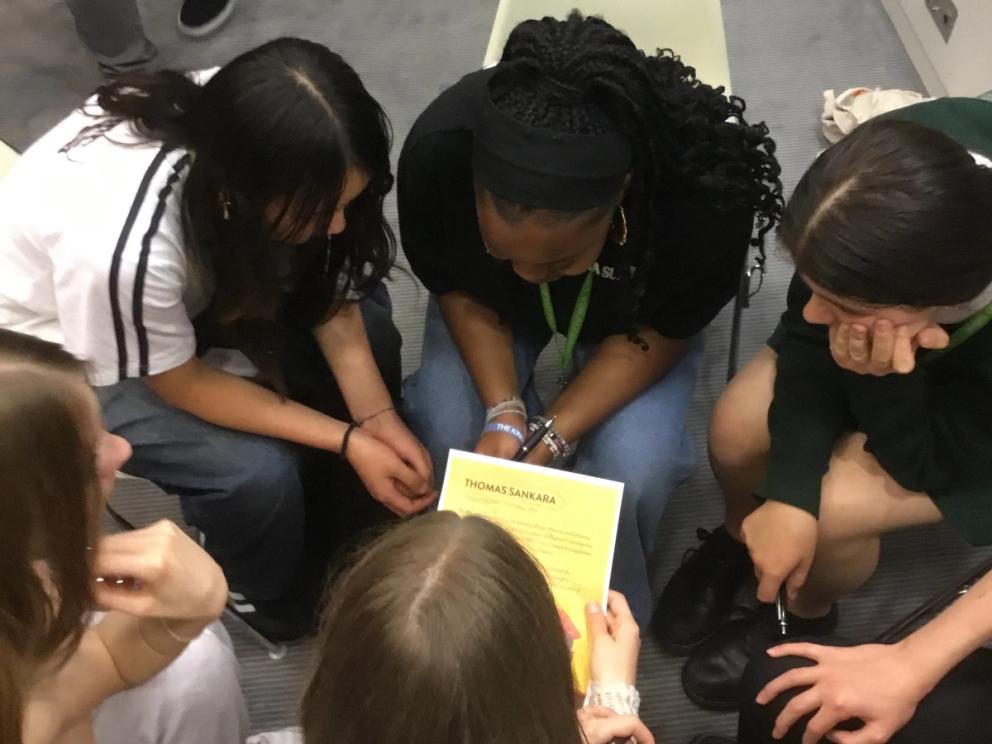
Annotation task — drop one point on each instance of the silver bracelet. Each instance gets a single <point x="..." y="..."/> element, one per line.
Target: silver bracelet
<point x="510" y="405"/>
<point x="559" y="447"/>
<point x="174" y="635"/>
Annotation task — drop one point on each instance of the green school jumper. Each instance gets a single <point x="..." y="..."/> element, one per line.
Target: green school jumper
<point x="931" y="430"/>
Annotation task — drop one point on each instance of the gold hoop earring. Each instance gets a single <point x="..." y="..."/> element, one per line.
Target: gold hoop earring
<point x="622" y="239"/>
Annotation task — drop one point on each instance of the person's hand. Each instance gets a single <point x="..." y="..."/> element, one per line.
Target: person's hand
<point x="614" y="641"/>
<point x="781" y="539"/>
<point x="391" y="481"/>
<point x="389" y="429"/>
<point x="167" y="575"/>
<point x="499" y="444"/>
<point x="601" y="725"/>
<point x="882" y="349"/>
<point x="877" y="684"/>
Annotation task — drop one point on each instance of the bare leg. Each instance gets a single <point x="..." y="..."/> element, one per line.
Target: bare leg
<point x="859" y="502"/>
<point x="739" y="440"/>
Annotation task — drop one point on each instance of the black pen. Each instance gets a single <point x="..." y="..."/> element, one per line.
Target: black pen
<point x="532" y="441"/>
<point x="781" y="614"/>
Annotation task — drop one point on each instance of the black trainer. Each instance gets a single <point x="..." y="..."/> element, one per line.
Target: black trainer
<point x="277" y="620"/>
<point x="198" y="18"/>
<point x="713" y="673"/>
<point x="701" y="592"/>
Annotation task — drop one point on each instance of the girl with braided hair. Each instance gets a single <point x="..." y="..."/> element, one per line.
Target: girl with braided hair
<point x="582" y="186"/>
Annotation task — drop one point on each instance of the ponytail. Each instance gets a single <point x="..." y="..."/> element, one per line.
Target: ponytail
<point x="156" y="104"/>
<point x="275" y="129"/>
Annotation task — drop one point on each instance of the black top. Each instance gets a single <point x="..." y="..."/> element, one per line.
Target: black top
<point x="695" y="273"/>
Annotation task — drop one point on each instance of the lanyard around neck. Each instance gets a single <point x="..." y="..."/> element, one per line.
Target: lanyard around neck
<point x="966" y="330"/>
<point x="574" y="325"/>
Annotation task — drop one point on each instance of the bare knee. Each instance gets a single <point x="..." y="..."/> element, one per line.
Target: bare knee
<point x="845" y="493"/>
<point x="738" y="435"/>
<point x="858" y="499"/>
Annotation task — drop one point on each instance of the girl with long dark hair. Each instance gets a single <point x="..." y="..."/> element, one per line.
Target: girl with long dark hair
<point x="585" y="187"/>
<point x="176" y="216"/>
<point x="870" y="410"/>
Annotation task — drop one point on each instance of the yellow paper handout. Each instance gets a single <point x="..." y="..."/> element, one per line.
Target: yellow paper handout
<point x="568" y="522"/>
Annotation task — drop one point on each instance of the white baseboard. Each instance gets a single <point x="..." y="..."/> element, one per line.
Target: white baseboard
<point x="910" y="40"/>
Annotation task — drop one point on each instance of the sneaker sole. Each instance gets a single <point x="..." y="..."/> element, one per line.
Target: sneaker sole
<point x="198" y="32"/>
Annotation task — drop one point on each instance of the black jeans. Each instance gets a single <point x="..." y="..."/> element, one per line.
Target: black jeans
<point x="272" y="513"/>
<point x="958" y="711"/>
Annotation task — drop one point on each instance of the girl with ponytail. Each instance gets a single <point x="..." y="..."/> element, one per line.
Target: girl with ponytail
<point x="213" y="246"/>
<point x="583" y="187"/>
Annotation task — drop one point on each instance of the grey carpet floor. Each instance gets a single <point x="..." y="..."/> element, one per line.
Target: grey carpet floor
<point x="783" y="54"/>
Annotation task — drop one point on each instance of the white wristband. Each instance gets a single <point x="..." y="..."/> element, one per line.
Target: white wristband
<point x="622" y="699"/>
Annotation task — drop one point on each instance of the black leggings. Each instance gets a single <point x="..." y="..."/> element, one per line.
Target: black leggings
<point x="958" y="711"/>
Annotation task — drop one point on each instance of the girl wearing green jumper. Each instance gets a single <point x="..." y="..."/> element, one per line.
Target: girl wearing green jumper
<point x="871" y="408"/>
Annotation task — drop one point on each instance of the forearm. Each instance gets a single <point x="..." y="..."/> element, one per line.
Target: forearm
<point x="234" y="403"/>
<point x="485" y="345"/>
<point x="945" y="641"/>
<point x="113" y="655"/>
<point x="345" y="346"/>
<point x="618" y="371"/>
<point x="140" y="648"/>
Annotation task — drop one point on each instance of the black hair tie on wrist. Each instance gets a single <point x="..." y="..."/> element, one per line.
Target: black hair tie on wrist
<point x="343" y="454"/>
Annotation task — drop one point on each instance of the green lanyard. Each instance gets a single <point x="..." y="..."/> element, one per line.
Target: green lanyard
<point x="574" y="325"/>
<point x="966" y="330"/>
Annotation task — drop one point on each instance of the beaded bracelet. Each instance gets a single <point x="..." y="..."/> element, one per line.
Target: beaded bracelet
<point x="559" y="447"/>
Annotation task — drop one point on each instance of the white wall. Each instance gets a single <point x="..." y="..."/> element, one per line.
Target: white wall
<point x="960" y="66"/>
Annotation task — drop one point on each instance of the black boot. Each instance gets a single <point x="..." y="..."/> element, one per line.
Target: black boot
<point x="701" y="592"/>
<point x="712" y="675"/>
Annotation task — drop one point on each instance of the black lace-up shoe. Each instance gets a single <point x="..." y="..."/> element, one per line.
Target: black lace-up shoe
<point x="713" y="673"/>
<point x="701" y="592"/>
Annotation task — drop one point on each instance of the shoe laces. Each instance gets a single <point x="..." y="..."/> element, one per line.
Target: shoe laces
<point x="699" y="553"/>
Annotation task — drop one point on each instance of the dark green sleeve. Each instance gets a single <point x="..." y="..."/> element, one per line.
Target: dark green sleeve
<point x="928" y="434"/>
<point x="808" y="411"/>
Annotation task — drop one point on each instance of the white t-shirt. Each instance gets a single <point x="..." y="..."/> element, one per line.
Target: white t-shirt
<point x="91" y="252"/>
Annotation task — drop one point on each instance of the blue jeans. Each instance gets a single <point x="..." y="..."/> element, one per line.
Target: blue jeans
<point x="644" y="444"/>
<point x="255" y="498"/>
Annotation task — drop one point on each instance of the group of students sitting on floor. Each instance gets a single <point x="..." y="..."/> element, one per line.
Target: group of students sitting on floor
<point x="196" y="262"/>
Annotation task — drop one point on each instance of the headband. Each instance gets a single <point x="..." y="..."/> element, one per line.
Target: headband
<point x="547" y="169"/>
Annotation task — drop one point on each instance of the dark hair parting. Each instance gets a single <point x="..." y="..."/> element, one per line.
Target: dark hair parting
<point x="277" y="128"/>
<point x="896" y="213"/>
